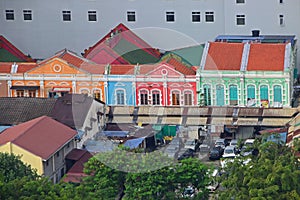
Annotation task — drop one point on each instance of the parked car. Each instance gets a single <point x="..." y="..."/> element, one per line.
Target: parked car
<point x="233" y="142"/>
<point x="190" y="144"/>
<point x="185" y="153"/>
<point x="215" y="153"/>
<point x="229" y="151"/>
<point x="221" y="142"/>
<point x="249" y="142"/>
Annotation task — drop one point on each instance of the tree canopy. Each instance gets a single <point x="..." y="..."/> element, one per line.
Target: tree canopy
<point x="273" y="174"/>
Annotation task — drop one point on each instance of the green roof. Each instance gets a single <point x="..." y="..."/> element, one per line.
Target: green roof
<point x="192" y="54"/>
<point x="134" y="54"/>
<point x="6" y="56"/>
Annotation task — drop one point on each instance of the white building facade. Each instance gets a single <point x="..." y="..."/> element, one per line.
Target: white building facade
<point x="41" y="28"/>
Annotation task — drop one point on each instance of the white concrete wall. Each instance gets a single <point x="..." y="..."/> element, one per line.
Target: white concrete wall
<point x="47" y="33"/>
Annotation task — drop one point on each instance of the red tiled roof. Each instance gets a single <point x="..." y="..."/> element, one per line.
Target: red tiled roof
<point x="5" y="67"/>
<point x="76" y="173"/>
<point x="42" y="136"/>
<point x="224" y="56"/>
<point x="266" y="57"/>
<point x="180" y="67"/>
<point x="24" y="67"/>
<point x="122" y="69"/>
<point x="5" y="44"/>
<point x="102" y="54"/>
<point x="127" y="34"/>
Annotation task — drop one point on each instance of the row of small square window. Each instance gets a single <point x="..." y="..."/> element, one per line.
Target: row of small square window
<point x="92" y="16"/>
<point x="131" y="16"/>
<point x="66" y="14"/>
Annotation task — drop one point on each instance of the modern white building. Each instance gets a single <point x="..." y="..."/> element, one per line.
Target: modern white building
<point x="41" y="28"/>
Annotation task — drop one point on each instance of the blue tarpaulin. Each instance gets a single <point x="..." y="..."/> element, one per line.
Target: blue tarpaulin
<point x="133" y="143"/>
<point x="279" y="138"/>
<point x="116" y="133"/>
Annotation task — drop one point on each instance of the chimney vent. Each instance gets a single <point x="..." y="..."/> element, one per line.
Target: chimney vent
<point x="255" y="33"/>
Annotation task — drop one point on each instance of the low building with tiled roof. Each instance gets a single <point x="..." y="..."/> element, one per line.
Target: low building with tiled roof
<point x="249" y="73"/>
<point x="42" y="143"/>
<point x="75" y="161"/>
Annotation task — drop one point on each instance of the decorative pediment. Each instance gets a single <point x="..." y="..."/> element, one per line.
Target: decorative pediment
<point x="164" y="70"/>
<point x="56" y="66"/>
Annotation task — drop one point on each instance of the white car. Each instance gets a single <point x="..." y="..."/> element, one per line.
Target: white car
<point x="190" y="144"/>
<point x="229" y="151"/>
<point x="233" y="142"/>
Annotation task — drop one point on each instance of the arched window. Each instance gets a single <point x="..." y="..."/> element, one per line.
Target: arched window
<point x="250" y="92"/>
<point x="84" y="91"/>
<point x="143" y="97"/>
<point x="188" y="98"/>
<point x="233" y="95"/>
<point x="264" y="92"/>
<point x="277" y="94"/>
<point x="155" y="97"/>
<point x="207" y="94"/>
<point x="175" y="97"/>
<point x="120" y="97"/>
<point x="220" y="95"/>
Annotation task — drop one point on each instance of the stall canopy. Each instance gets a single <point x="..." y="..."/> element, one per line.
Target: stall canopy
<point x="134" y="143"/>
<point x="116" y="133"/>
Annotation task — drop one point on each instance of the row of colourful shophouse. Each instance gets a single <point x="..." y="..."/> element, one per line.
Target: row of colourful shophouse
<point x="122" y="69"/>
<point x="229" y="74"/>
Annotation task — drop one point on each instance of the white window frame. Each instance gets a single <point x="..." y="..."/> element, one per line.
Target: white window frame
<point x="160" y="97"/>
<point x="9" y="15"/>
<point x="116" y="98"/>
<point x="240" y="18"/>
<point x="92" y="15"/>
<point x="209" y="16"/>
<point x="196" y="16"/>
<point x="170" y="14"/>
<point x="131" y="16"/>
<point x="281" y="20"/>
<point x="27" y="15"/>
<point x="66" y="15"/>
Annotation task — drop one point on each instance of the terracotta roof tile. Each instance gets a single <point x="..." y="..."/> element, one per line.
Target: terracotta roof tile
<point x="224" y="56"/>
<point x="24" y="67"/>
<point x="122" y="69"/>
<point x="180" y="67"/>
<point x="42" y="136"/>
<point x="5" y="67"/>
<point x="266" y="57"/>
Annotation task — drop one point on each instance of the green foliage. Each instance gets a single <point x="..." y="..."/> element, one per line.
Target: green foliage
<point x="12" y="168"/>
<point x="273" y="174"/>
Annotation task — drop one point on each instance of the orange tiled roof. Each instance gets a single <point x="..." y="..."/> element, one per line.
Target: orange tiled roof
<point x="180" y="67"/>
<point x="266" y="57"/>
<point x="24" y="67"/>
<point x="122" y="69"/>
<point x="5" y="67"/>
<point x="224" y="56"/>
